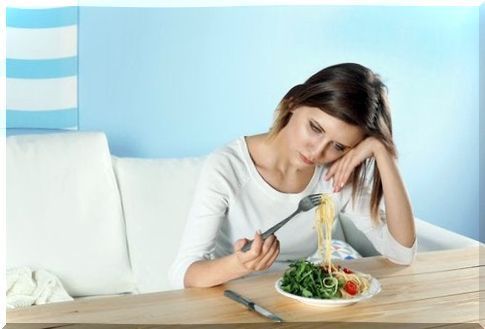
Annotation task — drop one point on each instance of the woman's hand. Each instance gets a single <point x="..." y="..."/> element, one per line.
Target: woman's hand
<point x="261" y="255"/>
<point x="343" y="167"/>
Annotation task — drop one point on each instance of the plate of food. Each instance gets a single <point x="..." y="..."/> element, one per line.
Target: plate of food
<point x="323" y="283"/>
<point x="314" y="284"/>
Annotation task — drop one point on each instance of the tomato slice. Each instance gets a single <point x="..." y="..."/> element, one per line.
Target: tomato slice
<point x="351" y="288"/>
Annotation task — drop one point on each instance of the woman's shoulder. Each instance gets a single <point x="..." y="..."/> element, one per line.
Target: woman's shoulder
<point x="229" y="152"/>
<point x="228" y="160"/>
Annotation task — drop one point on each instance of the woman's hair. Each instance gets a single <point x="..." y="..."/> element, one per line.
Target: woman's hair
<point x="355" y="95"/>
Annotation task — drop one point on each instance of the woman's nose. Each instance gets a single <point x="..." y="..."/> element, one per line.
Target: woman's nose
<point x="319" y="148"/>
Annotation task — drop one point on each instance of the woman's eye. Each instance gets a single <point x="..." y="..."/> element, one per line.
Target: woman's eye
<point x="314" y="128"/>
<point x="339" y="147"/>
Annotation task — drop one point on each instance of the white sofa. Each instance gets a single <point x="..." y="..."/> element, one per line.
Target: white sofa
<point x="111" y="225"/>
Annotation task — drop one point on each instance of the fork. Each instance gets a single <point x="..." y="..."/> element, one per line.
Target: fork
<point x="305" y="204"/>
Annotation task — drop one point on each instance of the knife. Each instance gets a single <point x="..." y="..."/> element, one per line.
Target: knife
<point x="251" y="305"/>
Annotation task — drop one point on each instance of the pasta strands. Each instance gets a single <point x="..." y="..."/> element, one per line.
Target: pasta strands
<point x="324" y="218"/>
<point x="323" y="224"/>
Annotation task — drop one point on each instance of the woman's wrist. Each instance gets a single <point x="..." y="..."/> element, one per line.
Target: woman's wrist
<point x="238" y="266"/>
<point x="379" y="150"/>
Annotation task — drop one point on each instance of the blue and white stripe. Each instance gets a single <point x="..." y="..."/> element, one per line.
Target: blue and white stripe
<point x="42" y="68"/>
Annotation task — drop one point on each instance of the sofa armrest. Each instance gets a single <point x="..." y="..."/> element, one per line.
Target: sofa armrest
<point x="430" y="237"/>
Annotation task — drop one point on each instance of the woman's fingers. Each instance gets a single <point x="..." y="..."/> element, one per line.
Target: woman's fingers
<point x="331" y="170"/>
<point x="364" y="150"/>
<point x="271" y="244"/>
<point x="262" y="253"/>
<point x="345" y="170"/>
<point x="239" y="244"/>
<point x="337" y="176"/>
<point x="349" y="170"/>
<point x="261" y="256"/>
<point x="268" y="259"/>
<point x="340" y="171"/>
<point x="257" y="245"/>
<point x="267" y="244"/>
<point x="275" y="254"/>
<point x="255" y="251"/>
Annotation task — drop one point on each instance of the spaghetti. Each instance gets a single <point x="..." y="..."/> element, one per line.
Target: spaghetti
<point x="349" y="283"/>
<point x="325" y="214"/>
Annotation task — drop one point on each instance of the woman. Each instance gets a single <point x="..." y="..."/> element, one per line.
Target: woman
<point x="332" y="134"/>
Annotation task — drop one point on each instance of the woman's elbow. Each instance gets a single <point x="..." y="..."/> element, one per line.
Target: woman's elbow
<point x="193" y="278"/>
<point x="405" y="260"/>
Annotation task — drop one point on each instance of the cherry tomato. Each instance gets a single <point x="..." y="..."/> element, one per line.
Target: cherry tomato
<point x="351" y="288"/>
<point x="346" y="270"/>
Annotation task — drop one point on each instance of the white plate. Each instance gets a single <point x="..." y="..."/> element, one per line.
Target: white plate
<point x="374" y="289"/>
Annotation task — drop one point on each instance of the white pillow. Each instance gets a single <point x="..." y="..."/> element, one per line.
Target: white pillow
<point x="156" y="195"/>
<point x="64" y="212"/>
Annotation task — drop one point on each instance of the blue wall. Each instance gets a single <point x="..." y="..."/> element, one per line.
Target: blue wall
<point x="482" y="125"/>
<point x="171" y="82"/>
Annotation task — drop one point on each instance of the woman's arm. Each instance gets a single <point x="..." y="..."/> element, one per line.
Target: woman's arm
<point x="208" y="273"/>
<point x="399" y="215"/>
<point x="193" y="267"/>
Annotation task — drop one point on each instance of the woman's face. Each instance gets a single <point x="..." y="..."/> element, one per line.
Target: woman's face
<point x="315" y="137"/>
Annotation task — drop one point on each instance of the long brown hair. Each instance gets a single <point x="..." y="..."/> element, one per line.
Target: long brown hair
<point x="356" y="95"/>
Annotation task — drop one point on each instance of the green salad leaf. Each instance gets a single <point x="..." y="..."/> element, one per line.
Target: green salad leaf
<point x="306" y="279"/>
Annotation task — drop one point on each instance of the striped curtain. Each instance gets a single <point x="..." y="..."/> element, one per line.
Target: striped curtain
<point x="42" y="68"/>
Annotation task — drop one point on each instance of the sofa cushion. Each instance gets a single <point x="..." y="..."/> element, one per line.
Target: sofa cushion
<point x="339" y="250"/>
<point x="156" y="195"/>
<point x="64" y="212"/>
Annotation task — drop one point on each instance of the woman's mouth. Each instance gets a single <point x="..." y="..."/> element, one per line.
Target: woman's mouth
<point x="306" y="160"/>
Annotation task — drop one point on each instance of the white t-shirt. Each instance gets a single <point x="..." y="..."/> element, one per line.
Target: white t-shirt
<point x="232" y="201"/>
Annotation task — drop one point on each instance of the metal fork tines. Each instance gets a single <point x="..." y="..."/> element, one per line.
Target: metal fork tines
<point x="305" y="204"/>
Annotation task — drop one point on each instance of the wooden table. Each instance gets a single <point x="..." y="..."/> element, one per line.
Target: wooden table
<point x="440" y="287"/>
